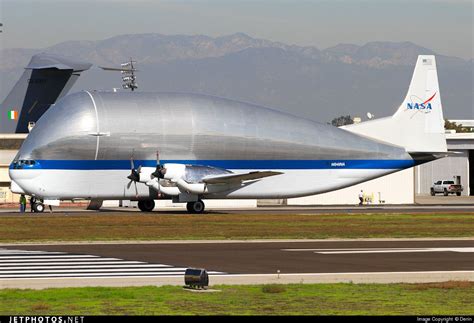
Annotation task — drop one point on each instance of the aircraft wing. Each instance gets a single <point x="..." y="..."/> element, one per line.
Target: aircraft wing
<point x="232" y="178"/>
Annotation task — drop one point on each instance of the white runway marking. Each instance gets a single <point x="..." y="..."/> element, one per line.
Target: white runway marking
<point x="380" y="250"/>
<point x="47" y="260"/>
<point x="31" y="264"/>
<point x="46" y="257"/>
<point x="9" y="252"/>
<point x="144" y="265"/>
<point x="15" y="264"/>
<point x="358" y="273"/>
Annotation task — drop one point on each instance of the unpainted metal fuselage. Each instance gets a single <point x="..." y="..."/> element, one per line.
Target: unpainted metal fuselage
<point x="82" y="147"/>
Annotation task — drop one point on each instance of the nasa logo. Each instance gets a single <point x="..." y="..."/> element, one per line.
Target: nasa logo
<point x="416" y="106"/>
<point x="421" y="106"/>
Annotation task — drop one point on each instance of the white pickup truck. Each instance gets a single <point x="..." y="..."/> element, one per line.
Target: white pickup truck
<point x="446" y="187"/>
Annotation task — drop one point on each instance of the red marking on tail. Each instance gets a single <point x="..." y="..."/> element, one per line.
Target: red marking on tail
<point x="430" y="99"/>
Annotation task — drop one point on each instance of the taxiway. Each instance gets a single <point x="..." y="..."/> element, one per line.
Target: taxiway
<point x="236" y="262"/>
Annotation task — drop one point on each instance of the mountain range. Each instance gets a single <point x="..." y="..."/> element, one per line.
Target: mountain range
<point x="346" y="79"/>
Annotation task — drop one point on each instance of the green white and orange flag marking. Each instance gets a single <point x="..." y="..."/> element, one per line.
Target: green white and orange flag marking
<point x="13" y="115"/>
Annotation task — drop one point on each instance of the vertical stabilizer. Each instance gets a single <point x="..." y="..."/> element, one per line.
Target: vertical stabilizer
<point x="45" y="80"/>
<point x="418" y="124"/>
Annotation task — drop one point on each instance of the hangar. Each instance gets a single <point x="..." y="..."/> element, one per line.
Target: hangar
<point x="399" y="188"/>
<point x="461" y="165"/>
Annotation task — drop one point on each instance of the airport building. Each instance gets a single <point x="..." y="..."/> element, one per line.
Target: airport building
<point x="459" y="167"/>
<point x="398" y="188"/>
<point x="9" y="146"/>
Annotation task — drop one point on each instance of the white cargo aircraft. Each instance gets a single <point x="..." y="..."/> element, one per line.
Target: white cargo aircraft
<point x="102" y="145"/>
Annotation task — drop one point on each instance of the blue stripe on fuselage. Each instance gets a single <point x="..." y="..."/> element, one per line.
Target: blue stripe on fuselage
<point x="227" y="164"/>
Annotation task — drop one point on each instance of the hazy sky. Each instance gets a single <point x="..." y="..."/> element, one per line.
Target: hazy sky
<point x="446" y="26"/>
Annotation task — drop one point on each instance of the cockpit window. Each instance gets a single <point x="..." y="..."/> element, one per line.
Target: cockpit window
<point x="23" y="163"/>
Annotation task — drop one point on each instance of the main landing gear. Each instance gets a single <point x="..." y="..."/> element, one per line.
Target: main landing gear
<point x="195" y="207"/>
<point x="146" y="205"/>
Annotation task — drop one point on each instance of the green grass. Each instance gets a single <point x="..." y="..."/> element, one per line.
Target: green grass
<point x="136" y="226"/>
<point x="451" y="298"/>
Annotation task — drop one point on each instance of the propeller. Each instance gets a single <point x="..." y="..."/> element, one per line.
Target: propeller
<point x="160" y="170"/>
<point x="135" y="173"/>
<point x="134" y="176"/>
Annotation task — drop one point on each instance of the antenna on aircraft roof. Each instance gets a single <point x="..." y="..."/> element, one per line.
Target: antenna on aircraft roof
<point x="129" y="80"/>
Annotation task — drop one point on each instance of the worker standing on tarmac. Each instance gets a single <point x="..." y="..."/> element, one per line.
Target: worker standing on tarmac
<point x="361" y="197"/>
<point x="22" y="203"/>
<point x="32" y="203"/>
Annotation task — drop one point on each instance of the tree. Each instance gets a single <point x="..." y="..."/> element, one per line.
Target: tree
<point x="342" y="121"/>
<point x="448" y="125"/>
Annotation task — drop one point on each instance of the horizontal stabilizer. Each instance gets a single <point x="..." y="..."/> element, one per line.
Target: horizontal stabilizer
<point x="45" y="61"/>
<point x="424" y="157"/>
<point x="232" y="178"/>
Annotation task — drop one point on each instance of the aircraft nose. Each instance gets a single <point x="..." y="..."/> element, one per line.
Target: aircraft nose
<point x="15" y="188"/>
<point x="23" y="175"/>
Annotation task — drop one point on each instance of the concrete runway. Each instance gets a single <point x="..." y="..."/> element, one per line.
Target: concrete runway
<point x="311" y="261"/>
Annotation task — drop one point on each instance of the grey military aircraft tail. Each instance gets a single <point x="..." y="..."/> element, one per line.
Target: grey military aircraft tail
<point x="46" y="79"/>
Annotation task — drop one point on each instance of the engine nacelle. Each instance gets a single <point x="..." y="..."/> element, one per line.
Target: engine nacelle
<point x="174" y="172"/>
<point x="145" y="174"/>
<point x="167" y="190"/>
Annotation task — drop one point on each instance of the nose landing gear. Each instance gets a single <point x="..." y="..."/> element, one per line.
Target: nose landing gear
<point x="38" y="207"/>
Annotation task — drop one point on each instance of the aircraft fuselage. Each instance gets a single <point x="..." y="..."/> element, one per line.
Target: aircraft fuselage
<point x="82" y="147"/>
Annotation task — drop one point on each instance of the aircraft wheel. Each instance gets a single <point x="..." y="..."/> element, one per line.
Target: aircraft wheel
<point x="445" y="192"/>
<point x="146" y="206"/>
<point x="38" y="207"/>
<point x="458" y="193"/>
<point x="432" y="192"/>
<point x="196" y="207"/>
<point x="189" y="207"/>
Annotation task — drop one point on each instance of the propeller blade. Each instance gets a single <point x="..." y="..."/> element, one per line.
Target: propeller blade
<point x="136" y="190"/>
<point x="134" y="176"/>
<point x="132" y="164"/>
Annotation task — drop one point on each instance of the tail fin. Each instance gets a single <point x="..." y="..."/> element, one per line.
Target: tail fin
<point x="46" y="79"/>
<point x="418" y="124"/>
